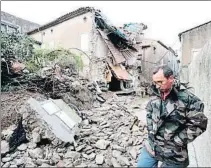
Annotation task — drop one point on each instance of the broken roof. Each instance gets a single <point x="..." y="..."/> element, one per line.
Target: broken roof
<point x="180" y="34"/>
<point x="63" y="18"/>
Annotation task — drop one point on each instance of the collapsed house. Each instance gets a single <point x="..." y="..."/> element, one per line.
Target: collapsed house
<point x="113" y="55"/>
<point x="72" y="122"/>
<point x="111" y="52"/>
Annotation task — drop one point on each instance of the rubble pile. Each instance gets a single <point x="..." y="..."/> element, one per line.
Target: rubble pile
<point x="72" y="120"/>
<point x="56" y="83"/>
<point x="109" y="135"/>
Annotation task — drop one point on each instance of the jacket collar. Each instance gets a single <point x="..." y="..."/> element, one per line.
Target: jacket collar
<point x="177" y="86"/>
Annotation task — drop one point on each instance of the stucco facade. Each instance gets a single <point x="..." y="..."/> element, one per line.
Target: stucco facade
<point x="68" y="34"/>
<point x="193" y="40"/>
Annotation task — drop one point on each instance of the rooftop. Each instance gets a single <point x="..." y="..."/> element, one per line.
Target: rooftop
<point x="63" y="18"/>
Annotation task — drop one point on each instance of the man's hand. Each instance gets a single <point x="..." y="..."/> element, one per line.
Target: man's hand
<point x="149" y="149"/>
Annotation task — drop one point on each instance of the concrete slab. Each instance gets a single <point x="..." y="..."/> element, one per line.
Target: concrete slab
<point x="60" y="118"/>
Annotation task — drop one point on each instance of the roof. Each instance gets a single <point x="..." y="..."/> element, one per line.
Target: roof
<point x="193" y="28"/>
<point x="159" y="42"/>
<point x="63" y="18"/>
<point x="162" y="44"/>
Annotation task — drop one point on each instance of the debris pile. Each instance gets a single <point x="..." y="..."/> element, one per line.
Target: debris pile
<point x="109" y="135"/>
<point x="123" y="60"/>
<point x="64" y="119"/>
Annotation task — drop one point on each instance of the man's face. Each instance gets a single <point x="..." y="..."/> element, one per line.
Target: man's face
<point x="162" y="83"/>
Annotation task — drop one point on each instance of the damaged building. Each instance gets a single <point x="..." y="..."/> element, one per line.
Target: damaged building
<point x="63" y="119"/>
<point x="115" y="56"/>
<point x="154" y="53"/>
<point x="11" y="23"/>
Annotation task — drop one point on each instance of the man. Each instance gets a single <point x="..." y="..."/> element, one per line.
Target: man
<point x="174" y="118"/>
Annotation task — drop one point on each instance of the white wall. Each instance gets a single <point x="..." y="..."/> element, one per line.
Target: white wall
<point x="200" y="79"/>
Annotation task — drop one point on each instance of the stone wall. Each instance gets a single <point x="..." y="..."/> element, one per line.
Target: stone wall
<point x="200" y="79"/>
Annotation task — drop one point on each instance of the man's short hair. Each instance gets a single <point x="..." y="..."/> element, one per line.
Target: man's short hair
<point x="167" y="71"/>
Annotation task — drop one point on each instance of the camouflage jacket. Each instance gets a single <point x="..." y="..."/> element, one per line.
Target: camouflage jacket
<point x="173" y="123"/>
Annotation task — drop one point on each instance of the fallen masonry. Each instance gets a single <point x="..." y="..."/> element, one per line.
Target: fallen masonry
<point x="106" y="136"/>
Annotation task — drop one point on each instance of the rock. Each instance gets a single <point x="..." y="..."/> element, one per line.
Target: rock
<point x="68" y="163"/>
<point x="77" y="162"/>
<point x="116" y="153"/>
<point x="72" y="154"/>
<point x="22" y="147"/>
<point x="115" y="163"/>
<point x="32" y="145"/>
<point x="120" y="158"/>
<point x="6" y="164"/>
<point x="41" y="161"/>
<point x="80" y="148"/>
<point x="90" y="151"/>
<point x="7" y="133"/>
<point x="99" y="159"/>
<point x="19" y="161"/>
<point x="119" y="148"/>
<point x="56" y="142"/>
<point x="61" y="150"/>
<point x="56" y="157"/>
<point x="102" y="144"/>
<point x="48" y="154"/>
<point x="133" y="153"/>
<point x="92" y="156"/>
<point x="14" y="155"/>
<point x="85" y="156"/>
<point x="86" y="122"/>
<point x="36" y="137"/>
<point x="82" y="165"/>
<point x="124" y="160"/>
<point x="129" y="142"/>
<point x="93" y="165"/>
<point x="103" y="123"/>
<point x="87" y="148"/>
<point x="70" y="148"/>
<point x="139" y="141"/>
<point x="61" y="155"/>
<point x="25" y="115"/>
<point x="76" y="85"/>
<point x="106" y="126"/>
<point x="4" y="147"/>
<point x="29" y="163"/>
<point x="36" y="153"/>
<point x="6" y="159"/>
<point x="45" y="165"/>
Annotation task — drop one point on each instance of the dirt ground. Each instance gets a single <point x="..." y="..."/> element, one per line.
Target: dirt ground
<point x="10" y="103"/>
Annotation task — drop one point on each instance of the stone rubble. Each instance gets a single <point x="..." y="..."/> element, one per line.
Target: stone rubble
<point x="107" y="137"/>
